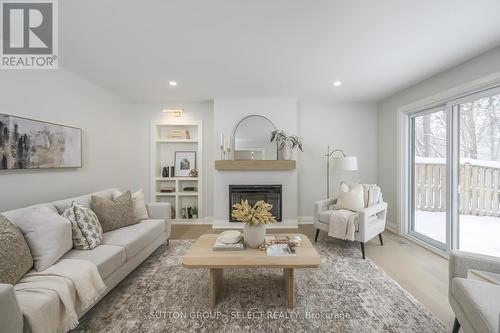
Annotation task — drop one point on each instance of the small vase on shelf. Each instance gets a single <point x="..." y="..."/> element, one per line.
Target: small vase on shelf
<point x="286" y="152"/>
<point x="164" y="172"/>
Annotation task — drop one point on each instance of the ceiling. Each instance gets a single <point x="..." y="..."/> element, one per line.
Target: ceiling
<point x="273" y="48"/>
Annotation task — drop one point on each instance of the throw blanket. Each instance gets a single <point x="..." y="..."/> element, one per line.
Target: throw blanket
<point x="343" y="224"/>
<point x="50" y="300"/>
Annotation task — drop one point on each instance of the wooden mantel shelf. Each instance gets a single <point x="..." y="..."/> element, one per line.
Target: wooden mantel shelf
<point x="252" y="165"/>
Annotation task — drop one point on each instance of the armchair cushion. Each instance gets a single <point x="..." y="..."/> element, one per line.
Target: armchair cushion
<point x="479" y="301"/>
<point x="351" y="197"/>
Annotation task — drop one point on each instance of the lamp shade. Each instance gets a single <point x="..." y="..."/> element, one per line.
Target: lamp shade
<point x="345" y="163"/>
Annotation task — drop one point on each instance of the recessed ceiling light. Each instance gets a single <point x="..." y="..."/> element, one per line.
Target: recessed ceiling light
<point x="337" y="83"/>
<point x="173" y="83"/>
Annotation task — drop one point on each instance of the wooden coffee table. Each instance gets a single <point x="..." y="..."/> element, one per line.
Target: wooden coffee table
<point x="201" y="255"/>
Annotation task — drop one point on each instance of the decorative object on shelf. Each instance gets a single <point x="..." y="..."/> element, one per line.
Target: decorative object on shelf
<point x="193" y="173"/>
<point x="164" y="172"/>
<point x="342" y="163"/>
<point x="190" y="189"/>
<point x="184" y="162"/>
<point x="286" y="144"/>
<point x="194" y="212"/>
<point x="184" y="213"/>
<point x="33" y="144"/>
<point x="167" y="189"/>
<point x="225" y="146"/>
<point x="255" y="219"/>
<point x="171" y="171"/>
<point x="172" y="212"/>
<point x="178" y="134"/>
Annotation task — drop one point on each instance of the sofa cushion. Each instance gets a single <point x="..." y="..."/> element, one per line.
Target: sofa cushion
<point x="141" y="212"/>
<point x="15" y="255"/>
<point x="107" y="258"/>
<point x="135" y="237"/>
<point x="85" y="227"/>
<point x="83" y="200"/>
<point x="114" y="214"/>
<point x="480" y="301"/>
<point x="47" y="233"/>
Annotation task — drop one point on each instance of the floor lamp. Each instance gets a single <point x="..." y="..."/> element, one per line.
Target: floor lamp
<point x="342" y="163"/>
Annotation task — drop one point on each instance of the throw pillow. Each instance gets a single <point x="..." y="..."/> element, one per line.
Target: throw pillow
<point x="85" y="227"/>
<point x="141" y="212"/>
<point x="351" y="197"/>
<point x="15" y="255"/>
<point x="114" y="214"/>
<point x="47" y="233"/>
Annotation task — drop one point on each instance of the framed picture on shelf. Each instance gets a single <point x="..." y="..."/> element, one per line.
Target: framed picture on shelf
<point x="185" y="161"/>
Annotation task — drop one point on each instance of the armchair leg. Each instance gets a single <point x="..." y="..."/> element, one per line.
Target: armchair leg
<point x="363" y="249"/>
<point x="316" y="237"/>
<point x="456" y="326"/>
<point x="381" y="240"/>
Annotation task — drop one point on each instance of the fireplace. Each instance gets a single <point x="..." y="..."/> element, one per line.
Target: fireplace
<point x="253" y="193"/>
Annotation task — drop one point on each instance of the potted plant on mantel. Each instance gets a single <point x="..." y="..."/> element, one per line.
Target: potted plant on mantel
<point x="286" y="144"/>
<point x="255" y="219"/>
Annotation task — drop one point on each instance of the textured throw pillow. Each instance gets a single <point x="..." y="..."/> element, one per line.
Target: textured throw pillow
<point x="47" y="233"/>
<point x="85" y="227"/>
<point x="351" y="198"/>
<point x="114" y="214"/>
<point x="141" y="212"/>
<point x="15" y="255"/>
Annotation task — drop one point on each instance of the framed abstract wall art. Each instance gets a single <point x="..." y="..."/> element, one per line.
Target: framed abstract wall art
<point x="185" y="161"/>
<point x="33" y="144"/>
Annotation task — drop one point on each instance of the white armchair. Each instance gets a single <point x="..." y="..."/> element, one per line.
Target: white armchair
<point x="371" y="221"/>
<point x="476" y="304"/>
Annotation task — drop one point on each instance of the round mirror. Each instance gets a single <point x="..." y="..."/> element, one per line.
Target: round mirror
<point x="252" y="139"/>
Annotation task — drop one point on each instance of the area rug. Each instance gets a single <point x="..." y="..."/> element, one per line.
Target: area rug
<point x="346" y="294"/>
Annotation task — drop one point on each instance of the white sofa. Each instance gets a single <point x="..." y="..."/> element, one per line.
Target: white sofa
<point x="121" y="252"/>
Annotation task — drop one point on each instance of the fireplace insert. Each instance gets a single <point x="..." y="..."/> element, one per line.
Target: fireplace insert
<point x="253" y="193"/>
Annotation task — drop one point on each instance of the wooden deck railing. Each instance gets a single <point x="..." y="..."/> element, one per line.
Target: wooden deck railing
<point x="479" y="188"/>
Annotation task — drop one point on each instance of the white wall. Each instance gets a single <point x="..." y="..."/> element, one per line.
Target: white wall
<point x="474" y="69"/>
<point x="116" y="134"/>
<point x="144" y="113"/>
<point x="351" y="127"/>
<point x="227" y="113"/>
<point x="62" y="97"/>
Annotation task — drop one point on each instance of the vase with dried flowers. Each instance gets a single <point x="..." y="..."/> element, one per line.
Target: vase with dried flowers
<point x="255" y="219"/>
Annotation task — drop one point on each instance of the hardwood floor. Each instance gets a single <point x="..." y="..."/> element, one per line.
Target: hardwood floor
<point x="421" y="272"/>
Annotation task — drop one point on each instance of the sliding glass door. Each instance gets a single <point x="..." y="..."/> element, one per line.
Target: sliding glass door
<point x="479" y="173"/>
<point x="454" y="169"/>
<point x="428" y="171"/>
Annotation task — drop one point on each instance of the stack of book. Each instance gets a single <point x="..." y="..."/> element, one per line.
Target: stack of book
<point x="179" y="134"/>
